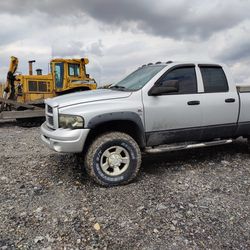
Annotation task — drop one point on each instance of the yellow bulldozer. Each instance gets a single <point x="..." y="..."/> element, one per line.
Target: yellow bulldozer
<point x="22" y="97"/>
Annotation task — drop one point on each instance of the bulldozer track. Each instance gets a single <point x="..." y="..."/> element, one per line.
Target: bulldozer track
<point x="30" y="122"/>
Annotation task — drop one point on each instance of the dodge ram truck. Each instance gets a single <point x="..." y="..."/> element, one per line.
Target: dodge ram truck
<point x="158" y="107"/>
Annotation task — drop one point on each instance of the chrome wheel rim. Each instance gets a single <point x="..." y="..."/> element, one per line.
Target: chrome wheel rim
<point x="115" y="161"/>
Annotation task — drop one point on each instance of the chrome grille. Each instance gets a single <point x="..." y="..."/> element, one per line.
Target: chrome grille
<point x="49" y="116"/>
<point x="50" y="120"/>
<point x="50" y="109"/>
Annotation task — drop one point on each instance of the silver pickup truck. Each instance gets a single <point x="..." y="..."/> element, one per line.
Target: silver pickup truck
<point x="159" y="107"/>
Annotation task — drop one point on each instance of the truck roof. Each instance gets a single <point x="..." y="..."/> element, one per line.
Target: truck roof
<point x="183" y="62"/>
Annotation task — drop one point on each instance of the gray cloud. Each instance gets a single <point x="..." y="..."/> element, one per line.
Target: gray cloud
<point x="236" y="52"/>
<point x="67" y="49"/>
<point x="95" y="48"/>
<point x="76" y="49"/>
<point x="118" y="36"/>
<point x="177" y="19"/>
<point x="53" y="8"/>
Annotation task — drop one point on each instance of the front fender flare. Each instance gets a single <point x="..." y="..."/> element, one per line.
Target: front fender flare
<point x="119" y="116"/>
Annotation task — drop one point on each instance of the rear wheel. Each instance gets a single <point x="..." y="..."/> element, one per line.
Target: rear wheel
<point x="113" y="159"/>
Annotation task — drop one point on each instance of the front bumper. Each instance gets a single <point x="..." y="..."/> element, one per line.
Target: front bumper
<point x="64" y="140"/>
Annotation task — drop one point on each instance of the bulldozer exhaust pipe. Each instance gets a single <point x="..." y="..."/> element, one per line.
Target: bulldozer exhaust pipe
<point x="31" y="67"/>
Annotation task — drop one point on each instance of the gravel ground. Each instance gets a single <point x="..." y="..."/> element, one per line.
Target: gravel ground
<point x="192" y="199"/>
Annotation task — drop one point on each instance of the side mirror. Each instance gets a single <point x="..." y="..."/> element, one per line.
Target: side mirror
<point x="168" y="86"/>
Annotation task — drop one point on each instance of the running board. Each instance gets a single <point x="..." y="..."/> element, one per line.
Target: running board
<point x="169" y="148"/>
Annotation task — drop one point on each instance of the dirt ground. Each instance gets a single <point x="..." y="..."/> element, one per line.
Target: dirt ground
<point x="195" y="199"/>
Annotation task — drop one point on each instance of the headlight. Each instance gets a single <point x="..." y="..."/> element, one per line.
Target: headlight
<point x="70" y="121"/>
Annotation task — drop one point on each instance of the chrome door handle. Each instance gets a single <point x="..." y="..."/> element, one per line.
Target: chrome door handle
<point x="229" y="100"/>
<point x="193" y="103"/>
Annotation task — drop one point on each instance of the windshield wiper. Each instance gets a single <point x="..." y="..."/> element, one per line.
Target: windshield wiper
<point x="117" y="87"/>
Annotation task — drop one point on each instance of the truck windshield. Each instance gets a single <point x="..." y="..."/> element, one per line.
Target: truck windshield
<point x="137" y="79"/>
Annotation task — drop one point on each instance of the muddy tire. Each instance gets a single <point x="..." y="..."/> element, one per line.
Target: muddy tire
<point x="113" y="158"/>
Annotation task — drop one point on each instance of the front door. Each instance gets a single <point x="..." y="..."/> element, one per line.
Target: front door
<point x="176" y="116"/>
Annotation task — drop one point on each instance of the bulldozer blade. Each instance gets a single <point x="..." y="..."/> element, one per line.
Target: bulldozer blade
<point x="17" y="104"/>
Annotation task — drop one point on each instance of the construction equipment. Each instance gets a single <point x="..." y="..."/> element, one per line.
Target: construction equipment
<point x="23" y="95"/>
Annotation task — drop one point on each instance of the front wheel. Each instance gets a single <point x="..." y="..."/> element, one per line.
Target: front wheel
<point x="114" y="158"/>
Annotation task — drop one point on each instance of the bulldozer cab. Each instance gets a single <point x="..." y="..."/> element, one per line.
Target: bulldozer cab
<point x="65" y="76"/>
<point x="22" y="96"/>
<point x="69" y="74"/>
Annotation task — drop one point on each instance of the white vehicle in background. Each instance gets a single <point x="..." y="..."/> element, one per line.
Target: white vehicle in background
<point x="159" y="107"/>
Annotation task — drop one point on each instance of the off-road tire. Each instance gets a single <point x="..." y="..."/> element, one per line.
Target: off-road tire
<point x="98" y="148"/>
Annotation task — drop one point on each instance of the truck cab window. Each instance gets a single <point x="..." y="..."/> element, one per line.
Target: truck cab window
<point x="74" y="69"/>
<point x="59" y="75"/>
<point x="214" y="79"/>
<point x="185" y="78"/>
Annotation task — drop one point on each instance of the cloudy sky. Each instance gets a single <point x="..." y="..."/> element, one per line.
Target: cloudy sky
<point x="119" y="35"/>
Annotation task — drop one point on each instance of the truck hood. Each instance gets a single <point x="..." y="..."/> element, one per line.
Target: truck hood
<point x="86" y="96"/>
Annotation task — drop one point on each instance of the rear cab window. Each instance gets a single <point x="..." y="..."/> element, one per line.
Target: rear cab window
<point x="214" y="79"/>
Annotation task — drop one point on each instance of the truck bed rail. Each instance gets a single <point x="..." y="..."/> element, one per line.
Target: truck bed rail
<point x="243" y="88"/>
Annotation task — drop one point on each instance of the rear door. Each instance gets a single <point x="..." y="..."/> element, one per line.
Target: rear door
<point x="219" y="103"/>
